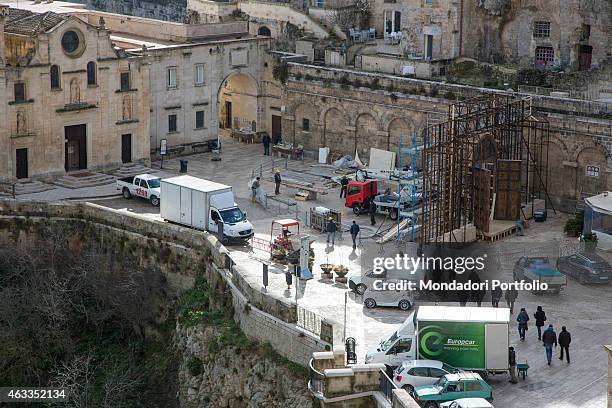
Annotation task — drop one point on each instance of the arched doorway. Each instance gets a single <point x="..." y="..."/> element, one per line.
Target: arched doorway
<point x="264" y="31"/>
<point x="237" y="100"/>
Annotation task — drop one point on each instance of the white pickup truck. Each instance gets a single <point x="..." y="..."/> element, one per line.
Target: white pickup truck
<point x="145" y="186"/>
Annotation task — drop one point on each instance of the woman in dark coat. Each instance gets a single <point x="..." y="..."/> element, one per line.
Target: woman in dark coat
<point x="540" y="317"/>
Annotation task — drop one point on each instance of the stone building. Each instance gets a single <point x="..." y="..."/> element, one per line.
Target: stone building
<point x="202" y="76"/>
<point x="573" y="34"/>
<point x="70" y="101"/>
<point x="350" y="111"/>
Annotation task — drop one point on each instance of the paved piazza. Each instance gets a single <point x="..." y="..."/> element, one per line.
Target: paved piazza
<point x="585" y="310"/>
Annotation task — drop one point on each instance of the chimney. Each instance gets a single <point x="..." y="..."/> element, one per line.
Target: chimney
<point x="4" y="12"/>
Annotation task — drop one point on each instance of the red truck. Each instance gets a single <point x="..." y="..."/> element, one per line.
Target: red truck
<point x="359" y="193"/>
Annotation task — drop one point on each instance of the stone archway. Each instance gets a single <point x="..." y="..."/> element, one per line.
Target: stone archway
<point x="399" y="127"/>
<point x="264" y="31"/>
<point x="365" y="135"/>
<point x="334" y="128"/>
<point x="238" y="102"/>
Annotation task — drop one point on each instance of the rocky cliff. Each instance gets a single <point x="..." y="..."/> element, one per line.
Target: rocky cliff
<point x="221" y="368"/>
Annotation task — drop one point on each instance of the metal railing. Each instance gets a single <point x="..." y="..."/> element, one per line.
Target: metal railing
<point x="386" y="386"/>
<point x="309" y="321"/>
<point x="316" y="382"/>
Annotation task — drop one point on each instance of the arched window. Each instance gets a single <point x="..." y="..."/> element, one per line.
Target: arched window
<point x="91" y="73"/>
<point x="264" y="31"/>
<point x="55" y="77"/>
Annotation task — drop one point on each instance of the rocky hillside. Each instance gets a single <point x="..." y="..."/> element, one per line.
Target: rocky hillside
<point x="239" y="374"/>
<point x="220" y="367"/>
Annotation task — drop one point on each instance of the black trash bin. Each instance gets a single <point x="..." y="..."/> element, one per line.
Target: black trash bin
<point x="184" y="166"/>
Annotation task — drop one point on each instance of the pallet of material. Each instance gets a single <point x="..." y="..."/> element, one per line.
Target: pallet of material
<point x="302" y="195"/>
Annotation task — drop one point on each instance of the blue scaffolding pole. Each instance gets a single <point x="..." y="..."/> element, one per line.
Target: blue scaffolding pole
<point x="412" y="152"/>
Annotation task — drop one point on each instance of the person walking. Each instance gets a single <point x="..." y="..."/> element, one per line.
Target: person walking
<point x="565" y="338"/>
<point x="343" y="185"/>
<point x="511" y="295"/>
<point x="254" y="186"/>
<point x="331" y="231"/>
<point x="277" y="181"/>
<point x="549" y="338"/>
<point x="496" y="295"/>
<point x="512" y="364"/>
<point x="522" y="320"/>
<point x="372" y="211"/>
<point x="266" y="143"/>
<point x="540" y="317"/>
<point x="354" y="233"/>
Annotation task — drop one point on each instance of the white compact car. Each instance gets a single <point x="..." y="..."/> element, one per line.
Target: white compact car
<point x="467" y="403"/>
<point x="416" y="373"/>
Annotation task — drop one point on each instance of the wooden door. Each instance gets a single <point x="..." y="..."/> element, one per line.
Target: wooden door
<point x="126" y="148"/>
<point x="228" y="115"/>
<point x="276" y="127"/>
<point x="21" y="163"/>
<point x="508" y="199"/>
<point x="76" y="147"/>
<point x="584" y="59"/>
<point x="482" y="198"/>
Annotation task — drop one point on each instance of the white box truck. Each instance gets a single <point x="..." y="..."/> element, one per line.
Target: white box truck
<point x="468" y="338"/>
<point x="202" y="204"/>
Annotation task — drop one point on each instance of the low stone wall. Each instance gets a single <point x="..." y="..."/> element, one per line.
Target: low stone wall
<point x="182" y="254"/>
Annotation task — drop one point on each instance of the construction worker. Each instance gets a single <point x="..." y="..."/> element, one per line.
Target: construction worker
<point x="372" y="211"/>
<point x="277" y="181"/>
<point x="343" y="185"/>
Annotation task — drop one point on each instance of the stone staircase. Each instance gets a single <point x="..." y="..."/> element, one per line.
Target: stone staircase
<point x="26" y="187"/>
<point x="84" y="179"/>
<point x="132" y="169"/>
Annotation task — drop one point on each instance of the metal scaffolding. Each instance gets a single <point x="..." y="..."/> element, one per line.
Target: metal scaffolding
<point x="489" y="147"/>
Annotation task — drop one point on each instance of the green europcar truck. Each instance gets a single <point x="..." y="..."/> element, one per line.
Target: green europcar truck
<point x="468" y="338"/>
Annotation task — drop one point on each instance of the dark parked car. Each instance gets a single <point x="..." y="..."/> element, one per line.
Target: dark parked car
<point x="586" y="268"/>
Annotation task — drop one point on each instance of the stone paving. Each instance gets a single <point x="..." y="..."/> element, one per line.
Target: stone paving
<point x="585" y="310"/>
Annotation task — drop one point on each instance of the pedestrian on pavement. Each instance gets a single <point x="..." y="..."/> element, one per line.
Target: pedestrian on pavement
<point x="277" y="181"/>
<point x="522" y="320"/>
<point x="540" y="317"/>
<point x="565" y="338"/>
<point x="372" y="211"/>
<point x="331" y="231"/>
<point x="354" y="233"/>
<point x="496" y="295"/>
<point x="266" y="143"/>
<point x="549" y="338"/>
<point x="254" y="186"/>
<point x="343" y="185"/>
<point x="512" y="363"/>
<point x="511" y="295"/>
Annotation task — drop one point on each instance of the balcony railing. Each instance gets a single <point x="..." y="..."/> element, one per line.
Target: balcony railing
<point x="386" y="386"/>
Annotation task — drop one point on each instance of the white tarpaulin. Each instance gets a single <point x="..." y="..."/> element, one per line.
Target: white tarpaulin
<point x="381" y="159"/>
<point x="323" y="153"/>
<point x="601" y="203"/>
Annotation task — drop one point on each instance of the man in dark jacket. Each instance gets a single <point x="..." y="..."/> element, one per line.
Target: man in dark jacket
<point x="565" y="338"/>
<point x="511" y="295"/>
<point x="372" y="211"/>
<point x="549" y="338"/>
<point x="522" y="320"/>
<point x="266" y="143"/>
<point x="512" y="364"/>
<point x="540" y="317"/>
<point x="331" y="231"/>
<point x="277" y="181"/>
<point x="496" y="295"/>
<point x="343" y="184"/>
<point x="354" y="233"/>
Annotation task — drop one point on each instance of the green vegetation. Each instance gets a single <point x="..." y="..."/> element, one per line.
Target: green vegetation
<point x="574" y="225"/>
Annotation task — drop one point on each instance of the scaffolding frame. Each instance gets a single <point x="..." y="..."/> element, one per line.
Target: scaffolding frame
<point x="478" y="133"/>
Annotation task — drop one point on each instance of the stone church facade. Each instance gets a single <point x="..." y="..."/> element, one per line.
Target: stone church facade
<point x="69" y="101"/>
